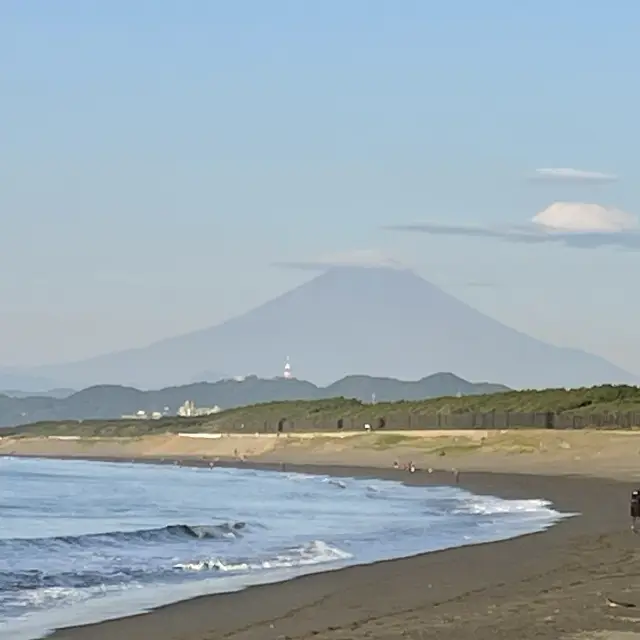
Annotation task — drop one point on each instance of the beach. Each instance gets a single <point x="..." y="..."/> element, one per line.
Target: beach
<point x="553" y="584"/>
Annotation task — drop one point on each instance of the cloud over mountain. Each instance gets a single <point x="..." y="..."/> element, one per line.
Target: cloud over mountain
<point x="575" y="224"/>
<point x="572" y="176"/>
<point x="365" y="258"/>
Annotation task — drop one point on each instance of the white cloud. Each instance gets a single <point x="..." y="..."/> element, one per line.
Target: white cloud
<point x="573" y="175"/>
<point x="575" y="224"/>
<point x="582" y="217"/>
<point x="365" y="258"/>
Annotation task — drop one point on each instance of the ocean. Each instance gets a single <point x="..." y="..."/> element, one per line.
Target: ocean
<point x="86" y="541"/>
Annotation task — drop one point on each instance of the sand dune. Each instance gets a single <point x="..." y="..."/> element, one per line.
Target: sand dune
<point x="609" y="453"/>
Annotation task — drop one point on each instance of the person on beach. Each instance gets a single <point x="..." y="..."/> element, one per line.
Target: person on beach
<point x="634" y="508"/>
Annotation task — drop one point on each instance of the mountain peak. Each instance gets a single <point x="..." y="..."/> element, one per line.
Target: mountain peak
<point x="376" y="320"/>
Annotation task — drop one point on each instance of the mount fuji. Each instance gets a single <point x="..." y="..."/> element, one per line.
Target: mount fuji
<point x="376" y="321"/>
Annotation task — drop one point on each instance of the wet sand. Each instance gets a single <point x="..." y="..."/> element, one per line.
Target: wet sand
<point x="550" y="585"/>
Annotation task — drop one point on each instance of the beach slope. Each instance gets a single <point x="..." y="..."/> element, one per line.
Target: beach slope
<point x="562" y="583"/>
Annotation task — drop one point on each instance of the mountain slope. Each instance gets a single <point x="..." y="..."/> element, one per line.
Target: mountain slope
<point x="13" y="378"/>
<point x="109" y="401"/>
<point x="377" y="321"/>
<point x="366" y="388"/>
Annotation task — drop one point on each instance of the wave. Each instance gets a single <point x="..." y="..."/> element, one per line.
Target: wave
<point x="336" y="483"/>
<point x="34" y="579"/>
<point x="225" y="530"/>
<point x="488" y="505"/>
<point x="315" y="552"/>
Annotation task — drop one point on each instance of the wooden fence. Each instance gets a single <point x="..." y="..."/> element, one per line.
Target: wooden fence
<point x="399" y="421"/>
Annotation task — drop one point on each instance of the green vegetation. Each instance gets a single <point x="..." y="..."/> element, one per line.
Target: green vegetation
<point x="319" y="415"/>
<point x="106" y="402"/>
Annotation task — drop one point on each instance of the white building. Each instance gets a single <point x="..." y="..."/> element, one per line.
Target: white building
<point x="143" y="415"/>
<point x="189" y="409"/>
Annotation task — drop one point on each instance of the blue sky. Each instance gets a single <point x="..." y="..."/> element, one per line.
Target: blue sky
<point x="158" y="156"/>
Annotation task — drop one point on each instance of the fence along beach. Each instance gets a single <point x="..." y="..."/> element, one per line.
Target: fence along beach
<point x="408" y="421"/>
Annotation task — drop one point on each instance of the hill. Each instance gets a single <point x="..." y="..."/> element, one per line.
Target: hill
<point x="323" y="414"/>
<point x="53" y="393"/>
<point x="109" y="401"/>
<point x="377" y="321"/>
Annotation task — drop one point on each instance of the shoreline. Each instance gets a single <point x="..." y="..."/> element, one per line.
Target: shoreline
<point x="539" y="585"/>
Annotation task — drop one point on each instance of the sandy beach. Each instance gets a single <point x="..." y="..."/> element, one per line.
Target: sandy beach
<point x="553" y="584"/>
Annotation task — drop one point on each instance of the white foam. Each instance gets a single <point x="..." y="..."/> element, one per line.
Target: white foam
<point x="316" y="552"/>
<point x="336" y="483"/>
<point x="298" y="477"/>
<point x="487" y="505"/>
<point x="394" y="529"/>
<point x="50" y="596"/>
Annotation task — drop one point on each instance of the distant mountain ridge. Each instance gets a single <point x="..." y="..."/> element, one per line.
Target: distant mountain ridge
<point x="52" y="393"/>
<point x="378" y="321"/>
<point x="110" y="401"/>
<point x="23" y="382"/>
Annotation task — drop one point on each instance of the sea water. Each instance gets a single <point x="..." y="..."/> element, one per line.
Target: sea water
<point x="86" y="541"/>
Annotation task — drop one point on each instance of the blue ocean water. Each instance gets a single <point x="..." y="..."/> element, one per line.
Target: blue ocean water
<point x="85" y="541"/>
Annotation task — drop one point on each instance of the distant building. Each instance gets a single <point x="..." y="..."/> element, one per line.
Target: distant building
<point x="288" y="374"/>
<point x="189" y="409"/>
<point x="142" y="415"/>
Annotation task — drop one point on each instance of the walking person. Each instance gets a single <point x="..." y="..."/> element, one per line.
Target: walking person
<point x="634" y="509"/>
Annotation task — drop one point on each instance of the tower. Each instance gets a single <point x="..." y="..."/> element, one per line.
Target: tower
<point x="287" y="370"/>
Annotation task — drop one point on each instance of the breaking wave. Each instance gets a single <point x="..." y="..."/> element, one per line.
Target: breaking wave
<point x="316" y="552"/>
<point x="259" y="525"/>
<point x="494" y="506"/>
<point x="36" y="579"/>
<point x="225" y="530"/>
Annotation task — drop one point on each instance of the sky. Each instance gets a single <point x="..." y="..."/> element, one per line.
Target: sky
<point x="158" y="157"/>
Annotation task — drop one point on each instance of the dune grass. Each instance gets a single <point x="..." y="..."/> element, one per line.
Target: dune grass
<point x="322" y="415"/>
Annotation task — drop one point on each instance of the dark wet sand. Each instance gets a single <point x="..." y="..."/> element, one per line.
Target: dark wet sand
<point x="541" y="586"/>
